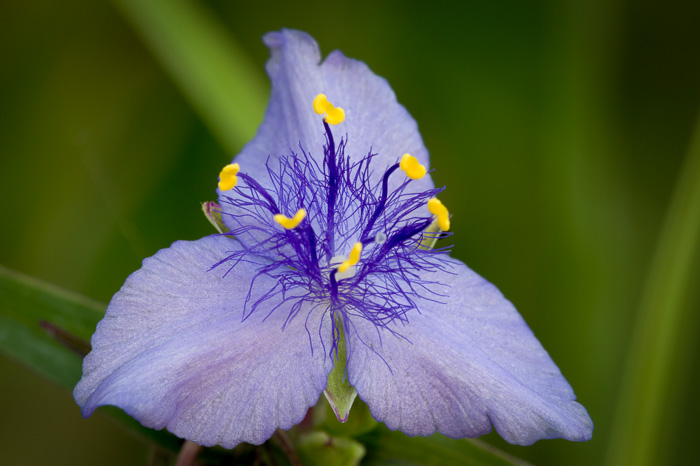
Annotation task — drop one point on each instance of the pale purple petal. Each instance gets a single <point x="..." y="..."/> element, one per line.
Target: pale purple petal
<point x="462" y="365"/>
<point x="173" y="350"/>
<point x="374" y="119"/>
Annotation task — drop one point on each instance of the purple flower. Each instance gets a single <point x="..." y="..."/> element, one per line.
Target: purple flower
<point x="225" y="339"/>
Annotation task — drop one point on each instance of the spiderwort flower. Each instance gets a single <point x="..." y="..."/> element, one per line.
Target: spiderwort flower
<point x="330" y="211"/>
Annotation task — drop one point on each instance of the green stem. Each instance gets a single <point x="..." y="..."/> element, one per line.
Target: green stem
<point x="645" y="392"/>
<point x="204" y="60"/>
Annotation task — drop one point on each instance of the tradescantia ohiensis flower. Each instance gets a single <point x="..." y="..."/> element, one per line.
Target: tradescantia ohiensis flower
<point x="225" y="339"/>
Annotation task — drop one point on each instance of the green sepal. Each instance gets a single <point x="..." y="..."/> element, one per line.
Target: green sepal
<point x="319" y="448"/>
<point x="360" y="420"/>
<point x="430" y="236"/>
<point x="339" y="393"/>
<point x="212" y="211"/>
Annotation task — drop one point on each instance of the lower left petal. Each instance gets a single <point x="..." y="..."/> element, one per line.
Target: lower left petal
<point x="174" y="350"/>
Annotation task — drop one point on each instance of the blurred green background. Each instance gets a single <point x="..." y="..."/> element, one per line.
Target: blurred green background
<point x="559" y="128"/>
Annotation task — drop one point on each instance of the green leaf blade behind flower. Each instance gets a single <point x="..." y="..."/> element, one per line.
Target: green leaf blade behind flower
<point x="28" y="303"/>
<point x="214" y="73"/>
<point x="47" y="328"/>
<point x="646" y="396"/>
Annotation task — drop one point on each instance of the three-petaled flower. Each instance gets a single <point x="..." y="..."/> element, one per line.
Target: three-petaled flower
<point x="332" y="219"/>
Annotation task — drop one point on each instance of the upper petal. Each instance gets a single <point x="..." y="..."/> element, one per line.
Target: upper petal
<point x="174" y="351"/>
<point x="374" y="121"/>
<point x="466" y="361"/>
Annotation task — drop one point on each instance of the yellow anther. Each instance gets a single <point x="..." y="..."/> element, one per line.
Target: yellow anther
<point x="334" y="115"/>
<point x="414" y="170"/>
<point x="289" y="223"/>
<point x="444" y="223"/>
<point x="353" y="259"/>
<point x="320" y="104"/>
<point x="227" y="177"/>
<point x="443" y="216"/>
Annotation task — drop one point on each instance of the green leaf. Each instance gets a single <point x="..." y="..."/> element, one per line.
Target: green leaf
<point x="645" y="395"/>
<point x="26" y="303"/>
<point x="214" y="73"/>
<point x="319" y="448"/>
<point x="43" y="326"/>
<point x="386" y="447"/>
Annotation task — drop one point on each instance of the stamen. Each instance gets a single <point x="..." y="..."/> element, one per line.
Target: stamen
<point x="379" y="238"/>
<point x="289" y="223"/>
<point x="353" y="259"/>
<point x="330" y="161"/>
<point x="443" y="216"/>
<point x="334" y="115"/>
<point x="414" y="170"/>
<point x="227" y="177"/>
<point x="382" y="200"/>
<point x="403" y="233"/>
<point x="255" y="186"/>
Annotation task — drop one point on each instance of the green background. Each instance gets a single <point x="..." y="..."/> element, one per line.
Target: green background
<point x="559" y="128"/>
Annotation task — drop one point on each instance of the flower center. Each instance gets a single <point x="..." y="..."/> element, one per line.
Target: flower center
<point x="328" y="228"/>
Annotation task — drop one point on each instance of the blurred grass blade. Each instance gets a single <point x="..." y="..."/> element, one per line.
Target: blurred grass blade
<point x="28" y="303"/>
<point x="389" y="447"/>
<point x="645" y="393"/>
<point x="216" y="76"/>
<point x="42" y="326"/>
